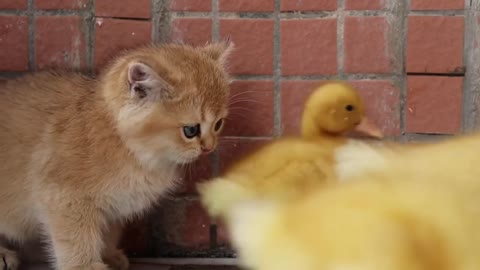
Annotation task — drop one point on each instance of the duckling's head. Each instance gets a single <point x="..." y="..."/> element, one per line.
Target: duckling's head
<point x="336" y="108"/>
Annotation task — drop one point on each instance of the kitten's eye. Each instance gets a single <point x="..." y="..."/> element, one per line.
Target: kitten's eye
<point x="191" y="131"/>
<point x="218" y="125"/>
<point x="349" y="108"/>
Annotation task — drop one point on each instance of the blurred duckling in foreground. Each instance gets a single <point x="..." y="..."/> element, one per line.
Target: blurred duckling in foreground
<point x="448" y="160"/>
<point x="419" y="209"/>
<point x="287" y="168"/>
<point x="375" y="224"/>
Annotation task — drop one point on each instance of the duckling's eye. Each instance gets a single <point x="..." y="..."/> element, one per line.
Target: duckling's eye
<point x="218" y="124"/>
<point x="349" y="108"/>
<point x="191" y="131"/>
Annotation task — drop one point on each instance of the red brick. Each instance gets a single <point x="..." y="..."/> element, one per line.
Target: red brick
<point x="199" y="171"/>
<point x="308" y="5"/>
<point x="364" y="4"/>
<point x="293" y="97"/>
<point x="435" y="44"/>
<point x="136" y="238"/>
<point x="223" y="238"/>
<point x="191" y="5"/>
<point x="13" y="4"/>
<point x="196" y="31"/>
<point x="309" y="47"/>
<point x="476" y="43"/>
<point x="366" y="45"/>
<point x="382" y="102"/>
<point x="60" y="4"/>
<point x="232" y="150"/>
<point x="434" y="104"/>
<point x="14" y="43"/>
<point x="253" y="40"/>
<point x="196" y="231"/>
<point x="186" y="224"/>
<point x="246" y="5"/>
<point x="114" y="35"/>
<point x="59" y="42"/>
<point x="123" y="8"/>
<point x="251" y="110"/>
<point x="437" y="4"/>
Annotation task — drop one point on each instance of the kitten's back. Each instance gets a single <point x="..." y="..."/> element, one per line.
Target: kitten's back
<point x="28" y="103"/>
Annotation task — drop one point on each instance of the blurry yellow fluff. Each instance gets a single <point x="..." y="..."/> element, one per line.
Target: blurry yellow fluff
<point x="420" y="211"/>
<point x="454" y="159"/>
<point x="375" y="224"/>
<point x="283" y="169"/>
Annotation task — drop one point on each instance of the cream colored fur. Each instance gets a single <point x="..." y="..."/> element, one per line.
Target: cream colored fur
<point x="79" y="156"/>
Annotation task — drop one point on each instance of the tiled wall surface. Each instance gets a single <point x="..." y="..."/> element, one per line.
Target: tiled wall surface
<point x="416" y="63"/>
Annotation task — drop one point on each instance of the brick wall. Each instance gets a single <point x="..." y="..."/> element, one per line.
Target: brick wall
<point x="416" y="62"/>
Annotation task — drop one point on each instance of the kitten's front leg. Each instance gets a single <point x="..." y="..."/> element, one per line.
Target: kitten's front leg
<point x="112" y="255"/>
<point x="8" y="259"/>
<point x="76" y="234"/>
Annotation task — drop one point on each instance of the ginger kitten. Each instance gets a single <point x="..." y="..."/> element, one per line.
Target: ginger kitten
<point x="79" y="155"/>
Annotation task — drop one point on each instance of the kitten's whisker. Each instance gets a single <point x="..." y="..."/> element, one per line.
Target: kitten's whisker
<point x="243" y="108"/>
<point x="245" y="113"/>
<point x="248" y="100"/>
<point x="249" y="92"/>
<point x="255" y="102"/>
<point x="188" y="172"/>
<point x="227" y="139"/>
<point x="239" y="115"/>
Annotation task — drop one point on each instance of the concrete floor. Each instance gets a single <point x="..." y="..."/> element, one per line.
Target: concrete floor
<point x="165" y="264"/>
<point x="150" y="267"/>
<point x="134" y="267"/>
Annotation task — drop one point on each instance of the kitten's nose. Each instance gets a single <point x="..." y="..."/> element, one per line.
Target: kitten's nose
<point x="206" y="150"/>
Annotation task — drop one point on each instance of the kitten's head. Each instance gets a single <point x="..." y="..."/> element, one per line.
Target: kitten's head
<point x="170" y="101"/>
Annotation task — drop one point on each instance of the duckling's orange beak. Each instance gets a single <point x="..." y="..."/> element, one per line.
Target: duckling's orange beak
<point x="368" y="128"/>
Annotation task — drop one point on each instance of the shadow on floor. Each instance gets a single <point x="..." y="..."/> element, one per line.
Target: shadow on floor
<point x="33" y="258"/>
<point x="133" y="267"/>
<point x="147" y="267"/>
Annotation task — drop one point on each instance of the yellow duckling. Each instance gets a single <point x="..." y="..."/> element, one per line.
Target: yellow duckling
<point x="454" y="160"/>
<point x="419" y="210"/>
<point x="283" y="169"/>
<point x="335" y="109"/>
<point x="375" y="224"/>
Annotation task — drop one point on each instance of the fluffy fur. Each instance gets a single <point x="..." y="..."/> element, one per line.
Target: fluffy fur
<point x="287" y="164"/>
<point x="413" y="207"/>
<point x="81" y="155"/>
<point x="376" y="224"/>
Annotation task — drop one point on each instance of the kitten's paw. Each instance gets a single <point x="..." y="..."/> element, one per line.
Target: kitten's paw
<point x="117" y="260"/>
<point x="8" y="259"/>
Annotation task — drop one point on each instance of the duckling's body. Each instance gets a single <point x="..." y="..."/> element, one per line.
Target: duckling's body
<point x="283" y="169"/>
<point x="417" y="208"/>
<point x="374" y="224"/>
<point x="450" y="160"/>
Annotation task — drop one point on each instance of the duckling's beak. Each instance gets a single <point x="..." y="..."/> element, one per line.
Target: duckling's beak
<point x="368" y="128"/>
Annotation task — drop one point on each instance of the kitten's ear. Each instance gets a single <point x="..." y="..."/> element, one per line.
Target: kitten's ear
<point x="144" y="82"/>
<point x="220" y="51"/>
